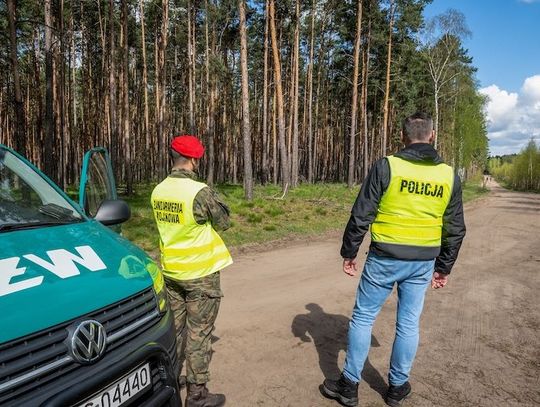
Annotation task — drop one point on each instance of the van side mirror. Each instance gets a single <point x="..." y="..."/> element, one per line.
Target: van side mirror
<point x="113" y="212"/>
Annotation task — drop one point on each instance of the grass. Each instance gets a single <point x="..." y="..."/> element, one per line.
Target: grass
<point x="306" y="211"/>
<point x="472" y="190"/>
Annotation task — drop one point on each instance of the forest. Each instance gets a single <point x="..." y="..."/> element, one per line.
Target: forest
<point x="518" y="171"/>
<point x="284" y="92"/>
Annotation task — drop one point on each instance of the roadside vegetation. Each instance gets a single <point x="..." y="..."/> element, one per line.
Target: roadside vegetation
<point x="308" y="210"/>
<point x="473" y="189"/>
<point x="518" y="171"/>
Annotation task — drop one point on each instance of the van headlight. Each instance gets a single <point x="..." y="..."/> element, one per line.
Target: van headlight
<point x="159" y="286"/>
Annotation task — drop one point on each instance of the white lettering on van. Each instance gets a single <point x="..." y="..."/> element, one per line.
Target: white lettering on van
<point x="9" y="269"/>
<point x="62" y="263"/>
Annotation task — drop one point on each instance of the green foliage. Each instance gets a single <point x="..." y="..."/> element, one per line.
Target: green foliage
<point x="468" y="138"/>
<point x="521" y="171"/>
<point x="462" y="130"/>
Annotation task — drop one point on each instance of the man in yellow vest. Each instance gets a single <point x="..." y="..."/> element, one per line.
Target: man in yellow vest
<point x="412" y="200"/>
<point x="188" y="213"/>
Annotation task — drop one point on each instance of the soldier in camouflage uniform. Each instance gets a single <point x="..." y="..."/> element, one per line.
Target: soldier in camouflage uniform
<point x="192" y="255"/>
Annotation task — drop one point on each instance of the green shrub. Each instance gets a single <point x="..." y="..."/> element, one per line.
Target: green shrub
<point x="320" y="211"/>
<point x="254" y="217"/>
<point x="274" y="211"/>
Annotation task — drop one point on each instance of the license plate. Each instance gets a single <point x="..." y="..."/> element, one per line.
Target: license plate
<point x="118" y="393"/>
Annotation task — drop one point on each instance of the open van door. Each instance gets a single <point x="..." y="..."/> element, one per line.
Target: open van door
<point x="97" y="189"/>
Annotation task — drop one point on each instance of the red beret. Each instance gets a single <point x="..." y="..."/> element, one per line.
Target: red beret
<point x="188" y="146"/>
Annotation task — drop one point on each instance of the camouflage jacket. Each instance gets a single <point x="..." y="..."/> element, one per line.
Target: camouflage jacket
<point x="207" y="206"/>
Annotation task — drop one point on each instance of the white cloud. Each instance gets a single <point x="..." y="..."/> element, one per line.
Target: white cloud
<point x="513" y="118"/>
<point x="531" y="88"/>
<point x="501" y="104"/>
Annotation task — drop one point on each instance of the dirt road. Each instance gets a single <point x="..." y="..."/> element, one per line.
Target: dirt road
<point x="283" y="321"/>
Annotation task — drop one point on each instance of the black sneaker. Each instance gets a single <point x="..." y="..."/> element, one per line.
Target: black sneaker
<point x="342" y="390"/>
<point x="396" y="394"/>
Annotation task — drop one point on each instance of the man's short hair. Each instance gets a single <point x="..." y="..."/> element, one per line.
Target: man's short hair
<point x="176" y="156"/>
<point x="418" y="127"/>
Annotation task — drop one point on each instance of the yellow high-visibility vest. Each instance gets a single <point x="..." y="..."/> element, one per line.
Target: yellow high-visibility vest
<point x="412" y="208"/>
<point x="188" y="250"/>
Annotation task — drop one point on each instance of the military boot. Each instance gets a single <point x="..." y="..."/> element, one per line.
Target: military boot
<point x="199" y="396"/>
<point x="396" y="394"/>
<point x="342" y="390"/>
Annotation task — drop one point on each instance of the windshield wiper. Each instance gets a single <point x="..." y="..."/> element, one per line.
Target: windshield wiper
<point x="6" y="227"/>
<point x="57" y="212"/>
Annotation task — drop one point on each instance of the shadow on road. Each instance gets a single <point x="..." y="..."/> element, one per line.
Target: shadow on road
<point x="328" y="332"/>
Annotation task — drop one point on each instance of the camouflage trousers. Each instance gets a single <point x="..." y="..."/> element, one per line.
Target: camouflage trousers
<point x="195" y="304"/>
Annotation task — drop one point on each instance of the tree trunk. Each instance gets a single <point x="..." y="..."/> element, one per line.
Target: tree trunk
<point x="436" y="120"/>
<point x="365" y="76"/>
<point x="73" y="122"/>
<point x="246" y="130"/>
<point x="127" y="157"/>
<point x="296" y="56"/>
<point x="210" y="107"/>
<point x="316" y="134"/>
<point x="64" y="133"/>
<point x="19" y="126"/>
<point x="191" y="69"/>
<point x="194" y="65"/>
<point x="265" y="149"/>
<point x="146" y="128"/>
<point x="387" y="87"/>
<point x="49" y="122"/>
<point x="354" y="103"/>
<point x="310" y="95"/>
<point x="274" y="140"/>
<point x="38" y="135"/>
<point x="285" y="177"/>
<point x="112" y="87"/>
<point x="160" y="95"/>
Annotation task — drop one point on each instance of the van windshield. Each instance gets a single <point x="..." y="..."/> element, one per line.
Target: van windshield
<point x="27" y="200"/>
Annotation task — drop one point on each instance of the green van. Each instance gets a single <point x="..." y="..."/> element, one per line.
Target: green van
<point x="84" y="318"/>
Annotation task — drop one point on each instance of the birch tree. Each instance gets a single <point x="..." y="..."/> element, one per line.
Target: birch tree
<point x="441" y="40"/>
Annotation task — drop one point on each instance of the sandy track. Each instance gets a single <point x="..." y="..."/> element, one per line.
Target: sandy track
<point x="283" y="322"/>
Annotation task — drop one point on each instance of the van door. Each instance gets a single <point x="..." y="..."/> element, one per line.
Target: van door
<point x="97" y="181"/>
<point x="97" y="190"/>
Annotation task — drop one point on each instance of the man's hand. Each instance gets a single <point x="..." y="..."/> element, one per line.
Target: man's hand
<point x="439" y="280"/>
<point x="349" y="266"/>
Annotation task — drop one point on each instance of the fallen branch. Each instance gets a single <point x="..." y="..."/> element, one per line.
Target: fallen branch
<point x="282" y="196"/>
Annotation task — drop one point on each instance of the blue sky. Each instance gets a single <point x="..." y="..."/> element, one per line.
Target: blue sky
<point x="505" y="47"/>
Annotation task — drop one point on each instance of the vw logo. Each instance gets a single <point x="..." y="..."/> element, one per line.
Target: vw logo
<point x="88" y="341"/>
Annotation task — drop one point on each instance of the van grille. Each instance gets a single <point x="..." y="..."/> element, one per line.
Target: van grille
<point x="30" y="362"/>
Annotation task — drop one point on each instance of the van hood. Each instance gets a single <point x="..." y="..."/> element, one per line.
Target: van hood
<point x="54" y="274"/>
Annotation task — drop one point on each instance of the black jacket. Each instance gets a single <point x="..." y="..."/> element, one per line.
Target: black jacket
<point x="366" y="206"/>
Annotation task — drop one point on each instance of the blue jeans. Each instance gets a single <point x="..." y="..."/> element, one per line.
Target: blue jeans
<point x="378" y="278"/>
